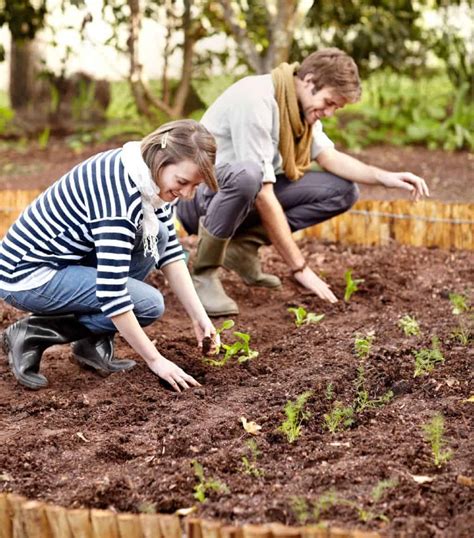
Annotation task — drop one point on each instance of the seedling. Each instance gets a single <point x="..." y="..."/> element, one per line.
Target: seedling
<point x="461" y="335"/>
<point x="249" y="466"/>
<point x="459" y="303"/>
<point x="295" y="415"/>
<point x="379" y="490"/>
<point x="300" y="509"/>
<point x="203" y="485"/>
<point x="352" y="285"/>
<point x="240" y="348"/>
<point x="427" y="359"/>
<point x="409" y="325"/>
<point x="302" y="317"/>
<point x="363" y="400"/>
<point x="329" y="392"/>
<point x="339" y="418"/>
<point x="362" y="345"/>
<point x="434" y="431"/>
<point x="324" y="502"/>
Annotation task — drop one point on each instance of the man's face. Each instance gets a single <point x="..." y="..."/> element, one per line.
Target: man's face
<point x="321" y="104"/>
<point x="178" y="180"/>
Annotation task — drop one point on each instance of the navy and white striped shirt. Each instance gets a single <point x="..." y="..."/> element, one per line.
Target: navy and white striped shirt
<point x="95" y="206"/>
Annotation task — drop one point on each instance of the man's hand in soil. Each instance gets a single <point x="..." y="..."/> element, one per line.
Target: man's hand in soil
<point x="205" y="329"/>
<point x="172" y="374"/>
<point x="405" y="180"/>
<point x="311" y="281"/>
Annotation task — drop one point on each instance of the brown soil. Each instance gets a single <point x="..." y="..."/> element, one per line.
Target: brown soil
<point x="450" y="175"/>
<point x="127" y="443"/>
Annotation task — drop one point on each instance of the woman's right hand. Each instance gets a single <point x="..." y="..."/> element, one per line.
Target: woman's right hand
<point x="172" y="374"/>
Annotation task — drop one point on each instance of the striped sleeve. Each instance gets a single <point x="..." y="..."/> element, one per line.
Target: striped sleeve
<point x="113" y="241"/>
<point x="173" y="251"/>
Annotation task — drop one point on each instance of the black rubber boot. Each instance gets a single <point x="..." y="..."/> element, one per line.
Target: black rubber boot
<point x="25" y="341"/>
<point x="97" y="352"/>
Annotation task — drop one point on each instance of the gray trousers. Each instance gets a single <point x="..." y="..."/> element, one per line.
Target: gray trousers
<point x="316" y="197"/>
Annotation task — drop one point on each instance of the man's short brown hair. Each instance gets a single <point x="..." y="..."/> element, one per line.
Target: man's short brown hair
<point x="335" y="69"/>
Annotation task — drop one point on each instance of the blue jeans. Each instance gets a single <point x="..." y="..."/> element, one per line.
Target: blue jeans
<point x="73" y="291"/>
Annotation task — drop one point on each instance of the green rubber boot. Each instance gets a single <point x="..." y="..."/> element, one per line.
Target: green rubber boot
<point x="242" y="257"/>
<point x="209" y="257"/>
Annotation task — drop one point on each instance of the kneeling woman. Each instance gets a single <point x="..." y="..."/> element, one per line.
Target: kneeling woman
<point x="78" y="255"/>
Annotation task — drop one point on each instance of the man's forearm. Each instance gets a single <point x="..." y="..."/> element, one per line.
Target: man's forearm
<point x="274" y="220"/>
<point x="348" y="167"/>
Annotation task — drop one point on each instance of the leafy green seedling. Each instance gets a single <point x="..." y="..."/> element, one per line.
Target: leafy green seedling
<point x="329" y="392"/>
<point x="302" y="317"/>
<point x="324" y="502"/>
<point x="363" y="401"/>
<point x="249" y="466"/>
<point x="295" y="415"/>
<point x="339" y="418"/>
<point x="203" y="485"/>
<point x="461" y="334"/>
<point x="300" y="509"/>
<point x="459" y="303"/>
<point x="381" y="487"/>
<point x="352" y="285"/>
<point x="409" y="325"/>
<point x="427" y="359"/>
<point x="363" y="344"/>
<point x="241" y="348"/>
<point x="434" y="431"/>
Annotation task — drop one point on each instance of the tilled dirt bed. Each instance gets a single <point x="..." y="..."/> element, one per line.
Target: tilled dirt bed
<point x="127" y="443"/>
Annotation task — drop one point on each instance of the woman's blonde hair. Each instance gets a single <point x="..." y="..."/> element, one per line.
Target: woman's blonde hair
<point x="335" y="69"/>
<point x="181" y="140"/>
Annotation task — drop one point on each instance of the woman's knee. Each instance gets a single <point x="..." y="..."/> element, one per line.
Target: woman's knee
<point x="150" y="307"/>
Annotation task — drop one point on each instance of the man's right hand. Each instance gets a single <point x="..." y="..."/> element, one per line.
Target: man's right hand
<point x="311" y="281"/>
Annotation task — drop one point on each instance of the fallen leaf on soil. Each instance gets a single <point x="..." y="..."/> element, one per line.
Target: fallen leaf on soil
<point x="5" y="477"/>
<point x="250" y="427"/>
<point x="82" y="436"/>
<point x="465" y="481"/>
<point x="470" y="399"/>
<point x="420" y="479"/>
<point x="185" y="511"/>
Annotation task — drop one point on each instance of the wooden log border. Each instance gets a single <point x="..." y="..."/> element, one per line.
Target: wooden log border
<point x="22" y="518"/>
<point x="370" y="222"/>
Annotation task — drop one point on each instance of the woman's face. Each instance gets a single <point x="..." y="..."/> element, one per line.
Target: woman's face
<point x="178" y="180"/>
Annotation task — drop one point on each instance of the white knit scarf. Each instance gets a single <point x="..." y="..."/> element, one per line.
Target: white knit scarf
<point x="140" y="174"/>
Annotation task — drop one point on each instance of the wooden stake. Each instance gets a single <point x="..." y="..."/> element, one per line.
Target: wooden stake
<point x="283" y="531"/>
<point x="35" y="520"/>
<point x="193" y="527"/>
<point x="150" y="525"/>
<point x="256" y="531"/>
<point x="227" y="531"/>
<point x="129" y="526"/>
<point x="336" y="532"/>
<point x="80" y="523"/>
<point x="365" y="534"/>
<point x="5" y="519"/>
<point x="210" y="529"/>
<point x="313" y="531"/>
<point x="15" y="503"/>
<point x="58" y="523"/>
<point x="104" y="524"/>
<point x="170" y="526"/>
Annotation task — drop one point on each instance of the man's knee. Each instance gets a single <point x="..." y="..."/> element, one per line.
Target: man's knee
<point x="247" y="178"/>
<point x="150" y="308"/>
<point x="352" y="194"/>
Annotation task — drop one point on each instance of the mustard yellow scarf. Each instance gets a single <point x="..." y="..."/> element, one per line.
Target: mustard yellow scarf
<point x="295" y="133"/>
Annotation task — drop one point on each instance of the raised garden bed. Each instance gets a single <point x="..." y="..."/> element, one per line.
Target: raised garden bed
<point x="127" y="444"/>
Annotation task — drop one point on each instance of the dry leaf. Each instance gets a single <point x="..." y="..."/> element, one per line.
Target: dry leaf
<point x="420" y="479"/>
<point x="185" y="511"/>
<point x="465" y="481"/>
<point x="5" y="477"/>
<point x="82" y="436"/>
<point x="470" y="399"/>
<point x="250" y="427"/>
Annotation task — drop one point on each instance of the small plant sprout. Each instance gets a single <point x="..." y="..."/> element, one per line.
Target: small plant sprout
<point x="381" y="487"/>
<point x="461" y="334"/>
<point x="300" y="509"/>
<point x="203" y="485"/>
<point x="329" y="392"/>
<point x="427" y="359"/>
<point x="302" y="317"/>
<point x="434" y="431"/>
<point x="459" y="303"/>
<point x="249" y="464"/>
<point x="324" y="502"/>
<point x="363" y="400"/>
<point x="240" y="348"/>
<point x="295" y="415"/>
<point x="352" y="285"/>
<point x="363" y="344"/>
<point x="409" y="325"/>
<point x="339" y="417"/>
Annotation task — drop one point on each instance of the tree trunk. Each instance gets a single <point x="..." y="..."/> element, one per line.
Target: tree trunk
<point x="23" y="73"/>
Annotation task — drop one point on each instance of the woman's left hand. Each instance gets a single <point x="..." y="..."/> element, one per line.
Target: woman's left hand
<point x="204" y="328"/>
